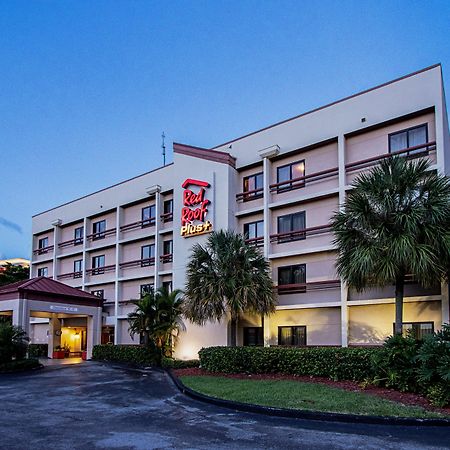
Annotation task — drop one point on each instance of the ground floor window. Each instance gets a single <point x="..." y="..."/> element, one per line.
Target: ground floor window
<point x="108" y="335"/>
<point x="417" y="330"/>
<point x="253" y="336"/>
<point x="293" y="335"/>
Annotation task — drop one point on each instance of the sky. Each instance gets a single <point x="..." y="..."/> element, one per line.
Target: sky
<point x="87" y="87"/>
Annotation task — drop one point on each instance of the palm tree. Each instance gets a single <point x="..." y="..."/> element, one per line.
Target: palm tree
<point x="226" y="276"/>
<point x="395" y="222"/>
<point x="157" y="318"/>
<point x="169" y="322"/>
<point x="13" y="342"/>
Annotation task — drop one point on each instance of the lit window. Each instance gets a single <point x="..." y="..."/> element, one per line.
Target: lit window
<point x="286" y="174"/>
<point x="253" y="183"/>
<point x="295" y="336"/>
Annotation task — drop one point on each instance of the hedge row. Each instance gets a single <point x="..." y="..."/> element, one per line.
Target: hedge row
<point x="19" y="365"/>
<point x="335" y="363"/>
<point x="37" y="350"/>
<point x="170" y="363"/>
<point x="134" y="354"/>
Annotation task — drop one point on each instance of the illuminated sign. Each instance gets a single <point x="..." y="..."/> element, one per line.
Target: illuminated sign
<point x="195" y="209"/>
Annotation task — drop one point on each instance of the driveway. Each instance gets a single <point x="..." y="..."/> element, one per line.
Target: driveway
<point x="98" y="406"/>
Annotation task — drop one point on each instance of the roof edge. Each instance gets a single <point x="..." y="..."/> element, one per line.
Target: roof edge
<point x="204" y="153"/>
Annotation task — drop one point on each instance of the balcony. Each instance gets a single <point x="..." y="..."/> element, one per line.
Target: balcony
<point x="101" y="270"/>
<point x="281" y="238"/>
<point x="101" y="234"/>
<point x="140" y="224"/>
<point x="166" y="258"/>
<point x="43" y="250"/>
<point x="411" y="152"/>
<point x="250" y="195"/>
<point x="71" y="275"/>
<point x="306" y="287"/>
<point x="296" y="183"/>
<point x="72" y="242"/>
<point x="146" y="262"/>
<point x="167" y="217"/>
<point x="257" y="241"/>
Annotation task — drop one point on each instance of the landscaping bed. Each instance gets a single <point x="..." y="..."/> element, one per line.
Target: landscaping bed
<point x="309" y="393"/>
<point x="20" y="366"/>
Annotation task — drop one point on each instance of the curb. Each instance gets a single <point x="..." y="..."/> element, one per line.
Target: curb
<point x="306" y="414"/>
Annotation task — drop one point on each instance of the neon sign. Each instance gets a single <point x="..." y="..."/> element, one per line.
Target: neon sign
<point x="195" y="209"/>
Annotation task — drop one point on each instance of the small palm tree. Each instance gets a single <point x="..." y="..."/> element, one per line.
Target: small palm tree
<point x="169" y="322"/>
<point x="13" y="342"/>
<point x="142" y="320"/>
<point x="395" y="222"/>
<point x="226" y="276"/>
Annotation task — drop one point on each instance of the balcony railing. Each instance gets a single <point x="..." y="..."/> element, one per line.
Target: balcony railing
<point x="77" y="241"/>
<point x="167" y="217"/>
<point x="101" y="234"/>
<point x="299" y="182"/>
<point x="65" y="276"/>
<point x="166" y="258"/>
<point x="258" y="241"/>
<point x="250" y="195"/>
<point x="138" y="263"/>
<point x="43" y="250"/>
<point x="299" y="234"/>
<point x="304" y="287"/>
<point x="100" y="270"/>
<point x="416" y="152"/>
<point x="140" y="224"/>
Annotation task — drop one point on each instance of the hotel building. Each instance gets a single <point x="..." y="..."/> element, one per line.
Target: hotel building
<point x="280" y="186"/>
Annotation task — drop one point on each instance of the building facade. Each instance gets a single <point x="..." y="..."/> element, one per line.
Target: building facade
<point x="280" y="186"/>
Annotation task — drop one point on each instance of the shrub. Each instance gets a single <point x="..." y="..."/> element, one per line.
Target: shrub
<point x="394" y="366"/>
<point x="37" y="350"/>
<point x="433" y="369"/>
<point x="13" y="342"/>
<point x="133" y="354"/>
<point x="19" y="365"/>
<point x="170" y="363"/>
<point x="330" y="362"/>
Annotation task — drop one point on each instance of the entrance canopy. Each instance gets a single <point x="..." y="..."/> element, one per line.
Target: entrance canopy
<point x="44" y="297"/>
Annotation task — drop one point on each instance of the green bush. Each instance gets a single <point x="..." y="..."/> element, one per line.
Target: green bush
<point x="19" y="365"/>
<point x="37" y="350"/>
<point x="133" y="354"/>
<point x="170" y="363"/>
<point x="13" y="342"/>
<point x="330" y="362"/>
<point x="395" y="364"/>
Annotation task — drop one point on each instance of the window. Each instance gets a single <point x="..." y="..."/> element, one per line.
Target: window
<point x="42" y="272"/>
<point x="78" y="236"/>
<point x="100" y="293"/>
<point x="147" y="255"/>
<point x="98" y="230"/>
<point x="167" y="285"/>
<point x="417" y="330"/>
<point x="167" y="247"/>
<point x="251" y="183"/>
<point x="410" y="137"/>
<point x="254" y="230"/>
<point x="291" y="172"/>
<point x="253" y="336"/>
<point x="292" y="335"/>
<point x="42" y="245"/>
<point x="168" y="210"/>
<point x="292" y="275"/>
<point x="77" y="268"/>
<point x="146" y="289"/>
<point x="98" y="262"/>
<point x="292" y="223"/>
<point x="148" y="216"/>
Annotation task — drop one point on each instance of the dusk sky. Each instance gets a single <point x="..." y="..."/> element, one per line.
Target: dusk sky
<point x="87" y="87"/>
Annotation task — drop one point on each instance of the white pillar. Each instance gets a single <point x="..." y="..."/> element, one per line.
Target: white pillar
<point x="117" y="286"/>
<point x="90" y="338"/>
<point x="156" y="191"/>
<point x="344" y="287"/>
<point x="56" y="239"/>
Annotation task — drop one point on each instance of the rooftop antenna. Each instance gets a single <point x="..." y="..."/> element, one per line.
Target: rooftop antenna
<point x="163" y="146"/>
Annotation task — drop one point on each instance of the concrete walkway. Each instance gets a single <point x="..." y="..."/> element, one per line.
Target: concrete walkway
<point x="96" y="406"/>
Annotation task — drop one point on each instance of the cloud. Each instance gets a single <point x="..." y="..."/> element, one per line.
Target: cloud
<point x="11" y="225"/>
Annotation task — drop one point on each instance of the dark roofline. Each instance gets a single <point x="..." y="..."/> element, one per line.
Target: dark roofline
<point x="330" y="104"/>
<point x="104" y="189"/>
<point x="204" y="153"/>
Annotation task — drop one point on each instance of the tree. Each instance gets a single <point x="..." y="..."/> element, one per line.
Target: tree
<point x="13" y="342"/>
<point x="12" y="274"/>
<point x="226" y="276"/>
<point x="395" y="222"/>
<point x="157" y="318"/>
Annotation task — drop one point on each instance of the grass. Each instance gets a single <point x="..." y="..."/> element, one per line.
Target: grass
<point x="299" y="395"/>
